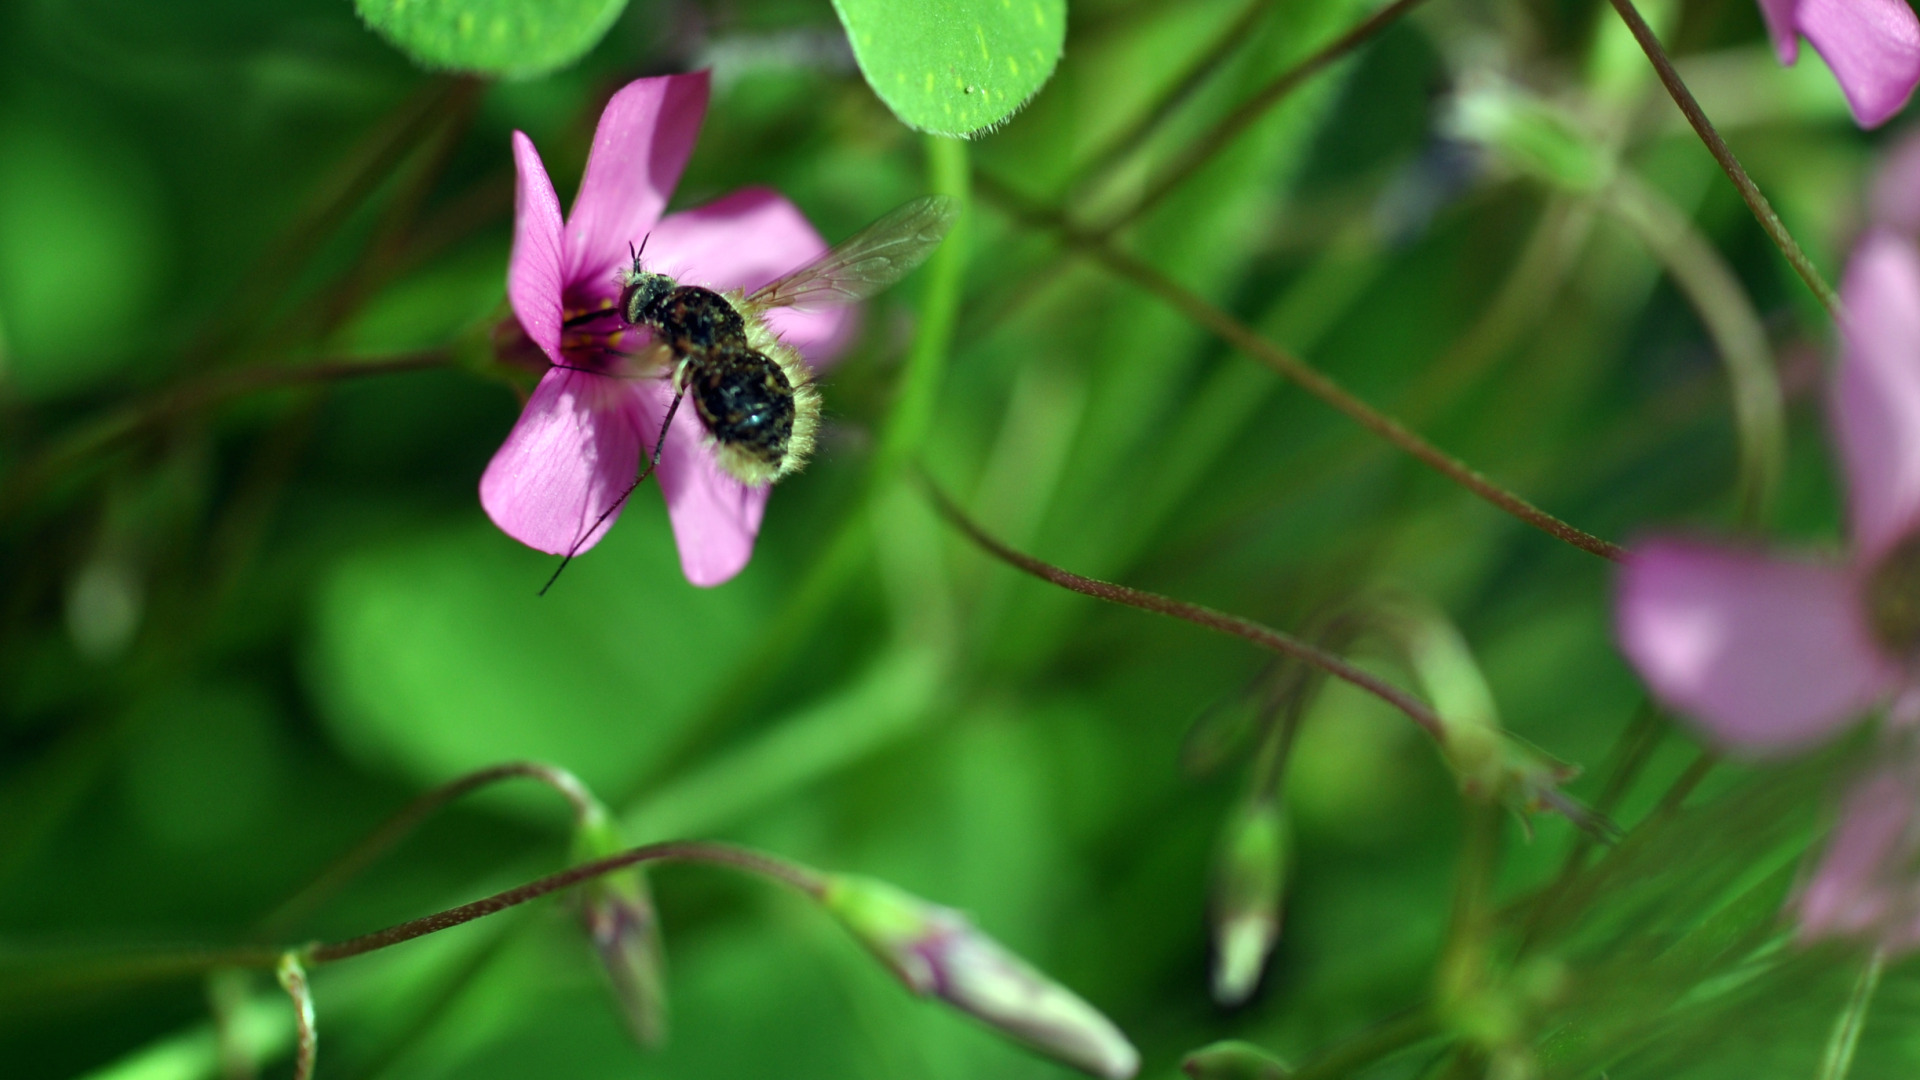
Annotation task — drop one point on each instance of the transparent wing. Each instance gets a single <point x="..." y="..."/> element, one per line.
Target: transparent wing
<point x="866" y="262"/>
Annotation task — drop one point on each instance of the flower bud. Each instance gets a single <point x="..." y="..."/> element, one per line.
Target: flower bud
<point x="936" y="952"/>
<point x="1233" y="1060"/>
<point x="1489" y="764"/>
<point x="1249" y="874"/>
<point x="620" y="919"/>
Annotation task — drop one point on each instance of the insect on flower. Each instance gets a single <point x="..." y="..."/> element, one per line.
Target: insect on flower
<point x="751" y="390"/>
<point x="597" y="418"/>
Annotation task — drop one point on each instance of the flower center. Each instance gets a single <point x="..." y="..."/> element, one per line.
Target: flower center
<point x="594" y="338"/>
<point x="1893" y="599"/>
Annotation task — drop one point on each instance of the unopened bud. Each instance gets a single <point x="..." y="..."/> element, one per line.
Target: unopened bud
<point x="1249" y="877"/>
<point x="623" y="925"/>
<point x="937" y="953"/>
<point x="1489" y="763"/>
<point x="1233" y="1060"/>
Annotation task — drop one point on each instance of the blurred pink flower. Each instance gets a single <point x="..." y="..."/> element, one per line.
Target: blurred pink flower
<point x="578" y="443"/>
<point x="1769" y="653"/>
<point x="1865" y="885"/>
<point x="1873" y="47"/>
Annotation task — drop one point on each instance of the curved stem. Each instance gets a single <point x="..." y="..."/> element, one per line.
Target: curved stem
<point x="1756" y="201"/>
<point x="1250" y="111"/>
<point x="1306" y="376"/>
<point x="1710" y="285"/>
<point x="586" y="809"/>
<point x="1131" y="137"/>
<point x="199" y="393"/>
<point x="1265" y="637"/>
<point x="670" y="851"/>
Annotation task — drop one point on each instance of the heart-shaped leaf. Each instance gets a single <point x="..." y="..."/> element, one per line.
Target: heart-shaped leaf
<point x="512" y="38"/>
<point x="955" y="67"/>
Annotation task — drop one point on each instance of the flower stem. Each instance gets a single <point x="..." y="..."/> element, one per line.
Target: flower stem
<point x="1134" y="134"/>
<point x="1309" y="378"/>
<point x="356" y="861"/>
<point x="1728" y="314"/>
<point x="1249" y="112"/>
<point x="1756" y="201"/>
<point x="670" y="851"/>
<point x="1837" y="1062"/>
<point x="1351" y="1055"/>
<point x="926" y="363"/>
<point x="198" y="393"/>
<point x="1265" y="637"/>
<point x="293" y="978"/>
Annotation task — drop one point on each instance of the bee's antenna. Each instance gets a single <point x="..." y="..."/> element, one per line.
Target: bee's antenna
<point x="634" y="254"/>
<point x="658" y="445"/>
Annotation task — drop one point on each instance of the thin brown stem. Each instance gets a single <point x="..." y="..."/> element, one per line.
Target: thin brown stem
<point x="1756" y="201"/>
<point x="1134" y="134"/>
<point x="1250" y="111"/>
<point x="359" y="175"/>
<point x="31" y="974"/>
<point x="199" y="393"/>
<point x="355" y="862"/>
<point x="67" y="971"/>
<point x="1306" y="376"/>
<point x="754" y="862"/>
<point x="1265" y="637"/>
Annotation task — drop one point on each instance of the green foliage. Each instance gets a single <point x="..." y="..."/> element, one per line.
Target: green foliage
<point x="436" y="657"/>
<point x="240" y="631"/>
<point x="955" y="67"/>
<point x="517" y="39"/>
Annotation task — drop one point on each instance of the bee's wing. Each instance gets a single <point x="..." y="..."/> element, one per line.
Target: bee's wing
<point x="866" y="262"/>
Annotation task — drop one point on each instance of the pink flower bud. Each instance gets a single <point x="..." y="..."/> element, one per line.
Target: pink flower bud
<point x="621" y="922"/>
<point x="938" y="953"/>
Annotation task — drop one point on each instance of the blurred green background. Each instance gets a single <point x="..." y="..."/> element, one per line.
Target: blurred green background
<point x="235" y="637"/>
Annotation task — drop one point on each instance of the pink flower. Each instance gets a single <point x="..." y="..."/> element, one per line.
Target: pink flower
<point x="1873" y="47"/>
<point x="1865" y="884"/>
<point x="578" y="443"/>
<point x="1768" y="653"/>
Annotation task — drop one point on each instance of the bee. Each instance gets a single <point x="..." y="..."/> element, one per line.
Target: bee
<point x="752" y="391"/>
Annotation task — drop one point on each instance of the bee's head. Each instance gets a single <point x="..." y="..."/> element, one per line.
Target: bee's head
<point x="640" y="290"/>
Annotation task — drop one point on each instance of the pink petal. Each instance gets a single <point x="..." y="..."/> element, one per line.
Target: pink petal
<point x="534" y="280"/>
<point x="1876" y="404"/>
<point x="1850" y="892"/>
<point x="715" y="517"/>
<point x="1873" y="47"/>
<point x="1783" y="27"/>
<point x="744" y="241"/>
<point x="1896" y="188"/>
<point x="645" y="136"/>
<point x="1765" y="653"/>
<point x="574" y="450"/>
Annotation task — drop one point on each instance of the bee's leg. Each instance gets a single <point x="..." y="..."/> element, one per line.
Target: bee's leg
<point x="653" y="463"/>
